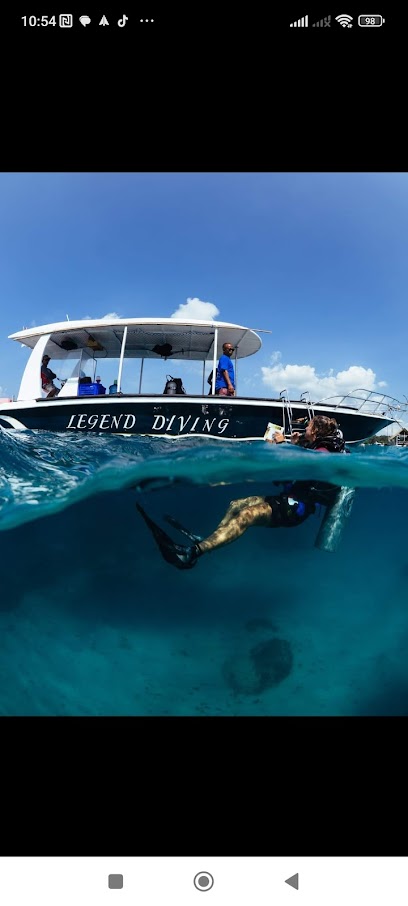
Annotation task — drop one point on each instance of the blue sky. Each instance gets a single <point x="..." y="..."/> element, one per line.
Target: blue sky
<point x="319" y="259"/>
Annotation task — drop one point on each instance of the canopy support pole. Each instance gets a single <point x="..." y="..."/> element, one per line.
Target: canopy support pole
<point x="140" y="379"/>
<point x="214" y="370"/>
<point x="122" y="353"/>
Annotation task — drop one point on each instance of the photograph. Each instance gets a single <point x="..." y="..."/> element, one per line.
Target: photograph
<point x="179" y="353"/>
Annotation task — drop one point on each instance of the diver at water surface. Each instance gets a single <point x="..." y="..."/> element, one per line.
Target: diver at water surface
<point x="285" y="510"/>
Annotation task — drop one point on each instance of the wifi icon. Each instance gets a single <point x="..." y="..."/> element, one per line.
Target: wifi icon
<point x="345" y="21"/>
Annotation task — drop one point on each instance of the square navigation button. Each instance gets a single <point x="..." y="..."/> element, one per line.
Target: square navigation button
<point x="115" y="882"/>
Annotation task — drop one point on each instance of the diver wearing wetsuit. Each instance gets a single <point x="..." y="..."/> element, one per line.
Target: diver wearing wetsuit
<point x="290" y="508"/>
<point x="299" y="498"/>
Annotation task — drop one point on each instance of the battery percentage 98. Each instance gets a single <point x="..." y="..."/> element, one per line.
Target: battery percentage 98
<point x="371" y="21"/>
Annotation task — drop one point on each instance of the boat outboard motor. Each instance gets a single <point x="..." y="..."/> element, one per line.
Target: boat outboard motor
<point x="334" y="520"/>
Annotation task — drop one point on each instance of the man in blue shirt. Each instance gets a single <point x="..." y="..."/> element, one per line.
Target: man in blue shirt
<point x="225" y="379"/>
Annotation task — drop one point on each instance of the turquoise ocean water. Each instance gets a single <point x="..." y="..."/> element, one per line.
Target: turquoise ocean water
<point x="94" y="622"/>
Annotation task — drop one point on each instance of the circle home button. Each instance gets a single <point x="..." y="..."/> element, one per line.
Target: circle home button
<point x="203" y="881"/>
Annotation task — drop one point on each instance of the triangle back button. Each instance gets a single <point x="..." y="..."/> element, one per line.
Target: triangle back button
<point x="293" y="881"/>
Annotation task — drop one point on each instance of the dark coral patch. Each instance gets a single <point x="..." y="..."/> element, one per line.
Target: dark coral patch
<point x="262" y="667"/>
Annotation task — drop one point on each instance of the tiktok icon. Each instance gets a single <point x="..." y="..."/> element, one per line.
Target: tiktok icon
<point x="122" y="22"/>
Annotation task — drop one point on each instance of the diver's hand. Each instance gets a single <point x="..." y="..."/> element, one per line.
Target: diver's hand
<point x="277" y="438"/>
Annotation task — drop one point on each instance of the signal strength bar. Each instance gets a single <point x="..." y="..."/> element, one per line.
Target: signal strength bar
<point x="302" y="23"/>
<point x="323" y="22"/>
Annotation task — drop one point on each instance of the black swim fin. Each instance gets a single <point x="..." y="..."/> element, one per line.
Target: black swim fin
<point x="177" y="554"/>
<point x="177" y="525"/>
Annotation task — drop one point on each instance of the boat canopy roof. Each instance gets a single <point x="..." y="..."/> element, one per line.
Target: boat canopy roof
<point x="147" y="338"/>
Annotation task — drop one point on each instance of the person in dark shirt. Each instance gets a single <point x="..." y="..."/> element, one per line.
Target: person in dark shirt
<point x="101" y="388"/>
<point x="290" y="508"/>
<point x="47" y="378"/>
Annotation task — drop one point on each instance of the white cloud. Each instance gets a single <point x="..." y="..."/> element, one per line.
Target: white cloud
<point x="299" y="378"/>
<point x="196" y="309"/>
<point x="111" y="316"/>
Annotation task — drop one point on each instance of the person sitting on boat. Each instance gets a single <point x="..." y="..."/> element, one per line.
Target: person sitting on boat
<point x="47" y="378"/>
<point x="113" y="387"/>
<point x="225" y="378"/>
<point x="101" y="388"/>
<point x="289" y="508"/>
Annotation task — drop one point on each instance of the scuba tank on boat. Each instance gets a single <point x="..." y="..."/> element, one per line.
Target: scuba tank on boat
<point x="174" y="385"/>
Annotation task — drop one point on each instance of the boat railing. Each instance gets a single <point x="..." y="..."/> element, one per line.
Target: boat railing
<point x="286" y="413"/>
<point x="366" y="401"/>
<point x="305" y="398"/>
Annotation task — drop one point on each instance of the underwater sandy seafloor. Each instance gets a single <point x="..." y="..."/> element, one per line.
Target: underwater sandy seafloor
<point x="94" y="621"/>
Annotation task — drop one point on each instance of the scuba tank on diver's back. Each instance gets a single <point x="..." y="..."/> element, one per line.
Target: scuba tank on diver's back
<point x="334" y="520"/>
